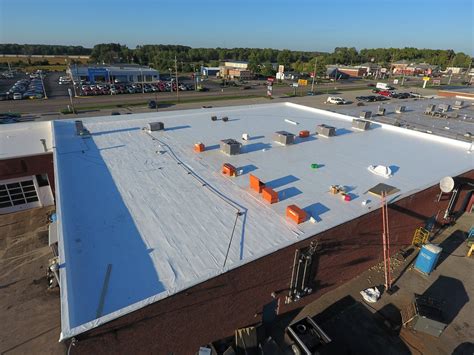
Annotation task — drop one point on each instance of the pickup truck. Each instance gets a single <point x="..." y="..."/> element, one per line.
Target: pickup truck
<point x="336" y="100"/>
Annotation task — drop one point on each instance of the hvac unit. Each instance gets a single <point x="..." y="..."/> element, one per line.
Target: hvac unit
<point x="360" y="124"/>
<point x="284" y="137"/>
<point x="430" y="109"/>
<point x="365" y="114"/>
<point x="325" y="130"/>
<point x="155" y="126"/>
<point x="444" y="107"/>
<point x="400" y="109"/>
<point x="230" y="146"/>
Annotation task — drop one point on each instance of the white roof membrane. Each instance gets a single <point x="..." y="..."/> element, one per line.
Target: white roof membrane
<point x="24" y="139"/>
<point x="142" y="216"/>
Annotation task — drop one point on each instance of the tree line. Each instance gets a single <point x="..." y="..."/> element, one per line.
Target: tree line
<point x="162" y="57"/>
<point x="42" y="49"/>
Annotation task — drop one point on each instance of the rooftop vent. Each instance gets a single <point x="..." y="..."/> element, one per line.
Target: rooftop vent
<point x="230" y="146"/>
<point x="444" y="107"/>
<point x="81" y="131"/>
<point x="385" y="189"/>
<point x="458" y="104"/>
<point x="400" y="109"/>
<point x="155" y="126"/>
<point x="365" y="114"/>
<point x="360" y="124"/>
<point x="430" y="109"/>
<point x="213" y="118"/>
<point x="284" y="137"/>
<point x="325" y="130"/>
<point x="381" y="111"/>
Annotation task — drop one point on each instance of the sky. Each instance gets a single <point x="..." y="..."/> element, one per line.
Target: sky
<point x="310" y="25"/>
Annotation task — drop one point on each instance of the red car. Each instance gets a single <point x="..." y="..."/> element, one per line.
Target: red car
<point x="385" y="93"/>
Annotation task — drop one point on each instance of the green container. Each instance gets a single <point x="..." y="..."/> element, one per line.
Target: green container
<point x="314" y="166"/>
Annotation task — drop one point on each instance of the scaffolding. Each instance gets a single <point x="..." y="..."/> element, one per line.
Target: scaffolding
<point x="420" y="237"/>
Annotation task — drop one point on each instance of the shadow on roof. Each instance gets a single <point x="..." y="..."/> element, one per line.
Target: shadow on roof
<point x="253" y="147"/>
<point x="246" y="169"/>
<point x="115" y="131"/>
<point x="316" y="210"/>
<point x="342" y="131"/>
<point x="288" y="193"/>
<point x="212" y="147"/>
<point x="176" y="128"/>
<point x="105" y="262"/>
<point x="285" y="180"/>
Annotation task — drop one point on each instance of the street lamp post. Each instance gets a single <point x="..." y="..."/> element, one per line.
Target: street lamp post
<point x="42" y="83"/>
<point x="171" y="82"/>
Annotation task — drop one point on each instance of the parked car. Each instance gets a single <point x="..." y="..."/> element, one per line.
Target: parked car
<point x="386" y="93"/>
<point x="152" y="104"/>
<point x="17" y="96"/>
<point x="336" y="100"/>
<point x="368" y="98"/>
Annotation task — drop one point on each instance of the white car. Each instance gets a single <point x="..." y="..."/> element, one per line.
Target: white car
<point x="336" y="100"/>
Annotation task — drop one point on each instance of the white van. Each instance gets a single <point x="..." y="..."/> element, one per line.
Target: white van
<point x="384" y="86"/>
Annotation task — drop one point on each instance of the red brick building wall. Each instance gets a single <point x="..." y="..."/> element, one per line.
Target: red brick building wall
<point x="30" y="165"/>
<point x="355" y="72"/>
<point x="215" y="308"/>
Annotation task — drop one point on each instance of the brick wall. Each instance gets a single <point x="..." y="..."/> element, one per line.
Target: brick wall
<point x="27" y="166"/>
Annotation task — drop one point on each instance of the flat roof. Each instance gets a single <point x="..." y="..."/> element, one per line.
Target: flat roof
<point x="460" y="127"/>
<point x="142" y="216"/>
<point x="24" y="139"/>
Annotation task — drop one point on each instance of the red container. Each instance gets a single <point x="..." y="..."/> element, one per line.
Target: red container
<point x="269" y="195"/>
<point x="296" y="214"/>
<point x="228" y="169"/>
<point x="304" y="134"/>
<point x="256" y="184"/>
<point x="199" y="147"/>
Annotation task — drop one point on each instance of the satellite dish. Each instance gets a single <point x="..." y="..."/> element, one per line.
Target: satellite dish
<point x="446" y="184"/>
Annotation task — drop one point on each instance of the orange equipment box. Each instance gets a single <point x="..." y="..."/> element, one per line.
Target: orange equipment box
<point x="304" y="134"/>
<point x="256" y="184"/>
<point x="296" y="214"/>
<point x="228" y="169"/>
<point x="269" y="195"/>
<point x="199" y="147"/>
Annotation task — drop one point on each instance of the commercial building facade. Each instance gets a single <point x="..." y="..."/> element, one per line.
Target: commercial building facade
<point x="113" y="74"/>
<point x="26" y="167"/>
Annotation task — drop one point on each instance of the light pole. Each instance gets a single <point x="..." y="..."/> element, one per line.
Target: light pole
<point x="42" y="83"/>
<point x="171" y="82"/>
<point x="451" y="74"/>
<point x="314" y="74"/>
<point x="177" y="84"/>
<point x="70" y="98"/>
